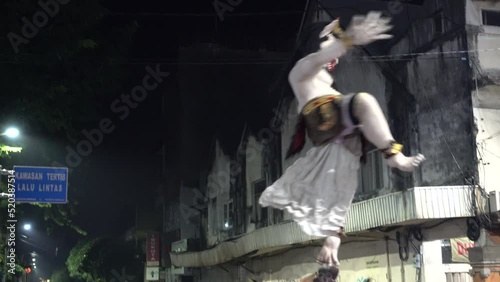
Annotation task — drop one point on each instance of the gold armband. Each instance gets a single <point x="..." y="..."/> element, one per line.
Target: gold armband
<point x="394" y="149"/>
<point x="339" y="33"/>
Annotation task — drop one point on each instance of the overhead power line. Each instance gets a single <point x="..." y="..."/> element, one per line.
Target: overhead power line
<point x="400" y="56"/>
<point x="214" y="14"/>
<point x="144" y="61"/>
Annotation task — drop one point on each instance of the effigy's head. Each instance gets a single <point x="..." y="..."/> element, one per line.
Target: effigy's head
<point x="316" y="36"/>
<point x="329" y="33"/>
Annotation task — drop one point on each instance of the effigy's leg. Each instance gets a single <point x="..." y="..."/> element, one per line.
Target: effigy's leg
<point x="328" y="259"/>
<point x="375" y="128"/>
<point x="328" y="254"/>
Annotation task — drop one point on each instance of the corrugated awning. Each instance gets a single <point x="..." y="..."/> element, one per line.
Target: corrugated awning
<point x="269" y="237"/>
<point x="415" y="205"/>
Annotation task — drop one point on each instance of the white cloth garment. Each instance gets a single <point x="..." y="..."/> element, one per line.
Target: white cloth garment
<point x="318" y="189"/>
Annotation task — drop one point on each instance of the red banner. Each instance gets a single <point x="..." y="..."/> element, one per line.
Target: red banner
<point x="459" y="249"/>
<point x="153" y="249"/>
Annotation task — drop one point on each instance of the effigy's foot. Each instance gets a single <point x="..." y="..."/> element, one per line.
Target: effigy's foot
<point x="404" y="163"/>
<point x="396" y="159"/>
<point x="327" y="274"/>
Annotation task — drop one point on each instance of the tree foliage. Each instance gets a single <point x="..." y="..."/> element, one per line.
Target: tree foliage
<point x="54" y="78"/>
<point x="79" y="263"/>
<point x="102" y="259"/>
<point x="62" y="275"/>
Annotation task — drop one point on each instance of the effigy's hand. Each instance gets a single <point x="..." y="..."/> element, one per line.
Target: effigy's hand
<point x="366" y="29"/>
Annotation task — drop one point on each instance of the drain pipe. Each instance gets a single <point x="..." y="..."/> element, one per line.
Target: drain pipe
<point x="389" y="274"/>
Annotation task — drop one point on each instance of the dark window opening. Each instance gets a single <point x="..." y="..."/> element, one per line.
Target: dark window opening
<point x="261" y="215"/>
<point x="438" y="25"/>
<point x="446" y="251"/>
<point x="491" y="17"/>
<point x="228" y="215"/>
<point x="371" y="174"/>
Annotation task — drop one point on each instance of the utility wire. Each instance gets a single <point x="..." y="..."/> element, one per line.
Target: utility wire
<point x="155" y="62"/>
<point x="394" y="57"/>
<point x="433" y="53"/>
<point x="228" y="14"/>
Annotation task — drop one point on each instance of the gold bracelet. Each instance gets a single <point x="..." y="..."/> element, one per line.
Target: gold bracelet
<point x="394" y="149"/>
<point x="347" y="40"/>
<point x="339" y="32"/>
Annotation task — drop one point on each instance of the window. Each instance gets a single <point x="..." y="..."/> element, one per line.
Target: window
<point x="212" y="217"/>
<point x="446" y="251"/>
<point x="438" y="22"/>
<point x="260" y="214"/>
<point x="491" y="18"/>
<point x="374" y="175"/>
<point x="228" y="212"/>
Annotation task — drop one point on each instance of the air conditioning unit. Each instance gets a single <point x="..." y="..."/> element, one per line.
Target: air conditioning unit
<point x="184" y="271"/>
<point x="180" y="246"/>
<point x="186" y="245"/>
<point x="495" y="201"/>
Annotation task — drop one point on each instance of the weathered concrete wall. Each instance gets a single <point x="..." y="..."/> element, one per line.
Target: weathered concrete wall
<point x="357" y="73"/>
<point x="441" y="88"/>
<point x="439" y="85"/>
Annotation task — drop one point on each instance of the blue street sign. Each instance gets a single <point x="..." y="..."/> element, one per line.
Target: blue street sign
<point x="35" y="184"/>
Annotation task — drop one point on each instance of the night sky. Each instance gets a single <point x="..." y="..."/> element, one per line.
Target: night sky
<point x="127" y="166"/>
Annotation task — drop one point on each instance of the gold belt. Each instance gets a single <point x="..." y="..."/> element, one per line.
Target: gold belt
<point x="318" y="102"/>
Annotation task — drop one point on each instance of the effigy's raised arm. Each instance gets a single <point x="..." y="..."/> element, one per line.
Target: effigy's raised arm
<point x="362" y="31"/>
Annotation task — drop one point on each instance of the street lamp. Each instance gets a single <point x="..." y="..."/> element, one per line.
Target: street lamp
<point x="11" y="132"/>
<point x="27" y="227"/>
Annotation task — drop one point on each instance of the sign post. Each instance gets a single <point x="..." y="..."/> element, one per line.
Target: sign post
<point x="36" y="184"/>
<point x="152" y="273"/>
<point x="152" y="270"/>
<point x="153" y="249"/>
